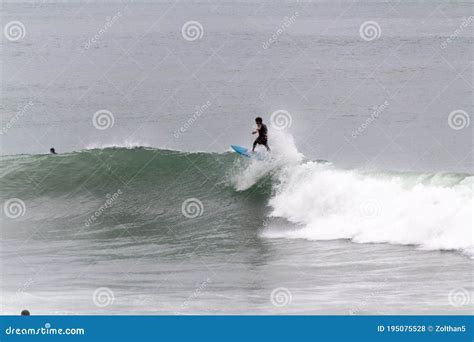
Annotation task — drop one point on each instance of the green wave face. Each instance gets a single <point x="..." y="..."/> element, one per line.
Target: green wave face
<point x="109" y="192"/>
<point x="184" y="199"/>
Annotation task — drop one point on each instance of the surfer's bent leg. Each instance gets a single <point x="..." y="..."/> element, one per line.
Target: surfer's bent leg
<point x="263" y="141"/>
<point x="260" y="141"/>
<point x="254" y="144"/>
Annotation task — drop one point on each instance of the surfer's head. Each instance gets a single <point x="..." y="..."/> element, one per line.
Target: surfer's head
<point x="258" y="120"/>
<point x="52" y="150"/>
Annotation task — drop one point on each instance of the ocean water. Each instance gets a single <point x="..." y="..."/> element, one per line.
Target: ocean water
<point x="363" y="206"/>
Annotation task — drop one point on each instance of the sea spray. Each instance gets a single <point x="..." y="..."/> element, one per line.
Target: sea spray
<point x="329" y="203"/>
<point x="283" y="153"/>
<point x="291" y="197"/>
<point x="321" y="202"/>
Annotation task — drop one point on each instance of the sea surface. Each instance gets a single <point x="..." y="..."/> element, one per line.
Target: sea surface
<point x="363" y="206"/>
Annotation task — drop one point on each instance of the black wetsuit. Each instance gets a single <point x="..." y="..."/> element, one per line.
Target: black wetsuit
<point x="262" y="138"/>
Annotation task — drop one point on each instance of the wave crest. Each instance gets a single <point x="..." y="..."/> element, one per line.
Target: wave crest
<point x="431" y="211"/>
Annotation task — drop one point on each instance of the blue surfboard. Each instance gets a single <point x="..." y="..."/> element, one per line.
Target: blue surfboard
<point x="241" y="150"/>
<point x="246" y="153"/>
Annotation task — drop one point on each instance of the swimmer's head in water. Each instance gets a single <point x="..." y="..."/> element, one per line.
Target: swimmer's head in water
<point x="52" y="150"/>
<point x="25" y="313"/>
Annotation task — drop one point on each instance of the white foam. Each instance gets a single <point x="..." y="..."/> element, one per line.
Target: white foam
<point x="337" y="204"/>
<point x="432" y="211"/>
<point x="283" y="153"/>
<point x="130" y="144"/>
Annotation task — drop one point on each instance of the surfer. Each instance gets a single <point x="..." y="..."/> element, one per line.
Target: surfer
<point x="52" y="150"/>
<point x="262" y="138"/>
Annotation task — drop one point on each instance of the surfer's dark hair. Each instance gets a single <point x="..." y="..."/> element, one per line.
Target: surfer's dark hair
<point x="258" y="119"/>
